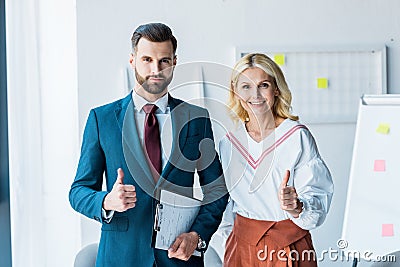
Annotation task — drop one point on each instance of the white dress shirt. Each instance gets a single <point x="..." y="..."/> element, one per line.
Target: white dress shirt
<point x="164" y="122"/>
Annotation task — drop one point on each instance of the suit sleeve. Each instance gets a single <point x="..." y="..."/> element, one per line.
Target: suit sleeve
<point x="85" y="194"/>
<point x="212" y="181"/>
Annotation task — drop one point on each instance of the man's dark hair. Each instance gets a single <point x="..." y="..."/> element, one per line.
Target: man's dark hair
<point x="154" y="32"/>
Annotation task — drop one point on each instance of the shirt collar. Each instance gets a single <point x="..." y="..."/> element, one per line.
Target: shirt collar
<point x="139" y="102"/>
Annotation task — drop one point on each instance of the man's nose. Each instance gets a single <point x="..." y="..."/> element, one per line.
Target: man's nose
<point x="155" y="68"/>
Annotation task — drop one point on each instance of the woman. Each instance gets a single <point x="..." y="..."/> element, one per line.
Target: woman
<point x="278" y="183"/>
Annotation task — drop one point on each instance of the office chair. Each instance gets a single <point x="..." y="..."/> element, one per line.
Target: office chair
<point x="86" y="257"/>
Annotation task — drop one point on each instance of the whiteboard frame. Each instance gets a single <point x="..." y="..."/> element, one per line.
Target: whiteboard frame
<point x="240" y="50"/>
<point x="346" y="117"/>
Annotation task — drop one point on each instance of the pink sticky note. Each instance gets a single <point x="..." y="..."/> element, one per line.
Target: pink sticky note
<point x="379" y="165"/>
<point x="387" y="230"/>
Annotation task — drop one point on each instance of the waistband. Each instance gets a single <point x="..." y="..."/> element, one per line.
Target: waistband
<point x="283" y="233"/>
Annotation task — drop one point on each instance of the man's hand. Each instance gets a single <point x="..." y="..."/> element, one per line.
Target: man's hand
<point x="122" y="197"/>
<point x="288" y="197"/>
<point x="184" y="246"/>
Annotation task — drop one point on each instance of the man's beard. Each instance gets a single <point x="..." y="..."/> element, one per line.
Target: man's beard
<point x="153" y="88"/>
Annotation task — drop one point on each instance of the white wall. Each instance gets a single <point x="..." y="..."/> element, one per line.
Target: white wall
<point x="210" y="30"/>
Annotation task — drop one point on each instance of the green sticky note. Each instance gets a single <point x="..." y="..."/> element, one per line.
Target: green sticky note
<point x="322" y="83"/>
<point x="279" y="59"/>
<point x="383" y="128"/>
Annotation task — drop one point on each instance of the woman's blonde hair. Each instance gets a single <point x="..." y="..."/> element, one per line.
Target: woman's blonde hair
<point x="283" y="100"/>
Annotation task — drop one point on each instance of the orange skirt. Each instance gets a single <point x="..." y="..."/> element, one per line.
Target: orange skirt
<point x="268" y="244"/>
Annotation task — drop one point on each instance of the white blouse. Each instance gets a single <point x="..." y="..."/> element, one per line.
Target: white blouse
<point x="254" y="172"/>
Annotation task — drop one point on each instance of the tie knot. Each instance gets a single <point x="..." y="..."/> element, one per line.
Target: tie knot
<point x="149" y="108"/>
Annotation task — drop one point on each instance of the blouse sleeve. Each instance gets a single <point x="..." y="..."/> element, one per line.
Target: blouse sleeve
<point x="313" y="183"/>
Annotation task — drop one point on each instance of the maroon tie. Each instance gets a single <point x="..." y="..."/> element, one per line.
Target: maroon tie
<point x="152" y="142"/>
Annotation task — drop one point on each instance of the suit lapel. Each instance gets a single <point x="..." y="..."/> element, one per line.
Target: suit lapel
<point x="132" y="147"/>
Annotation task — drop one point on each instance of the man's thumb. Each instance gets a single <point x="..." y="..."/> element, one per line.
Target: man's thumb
<point x="285" y="179"/>
<point x="120" y="177"/>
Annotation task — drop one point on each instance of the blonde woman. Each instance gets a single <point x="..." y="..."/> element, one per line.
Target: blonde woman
<point x="278" y="183"/>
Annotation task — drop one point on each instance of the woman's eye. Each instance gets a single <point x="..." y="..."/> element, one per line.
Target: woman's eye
<point x="264" y="85"/>
<point x="245" y="87"/>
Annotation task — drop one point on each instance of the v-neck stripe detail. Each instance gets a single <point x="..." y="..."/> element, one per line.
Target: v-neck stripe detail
<point x="245" y="153"/>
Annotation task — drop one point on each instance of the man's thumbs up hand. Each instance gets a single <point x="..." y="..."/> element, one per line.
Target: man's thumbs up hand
<point x="122" y="197"/>
<point x="288" y="197"/>
<point x="120" y="177"/>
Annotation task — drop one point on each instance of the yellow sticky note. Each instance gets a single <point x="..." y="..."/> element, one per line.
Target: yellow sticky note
<point x="279" y="59"/>
<point x="322" y="83"/>
<point x="383" y="128"/>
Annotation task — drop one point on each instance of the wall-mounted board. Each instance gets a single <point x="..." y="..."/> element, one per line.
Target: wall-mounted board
<point x="326" y="83"/>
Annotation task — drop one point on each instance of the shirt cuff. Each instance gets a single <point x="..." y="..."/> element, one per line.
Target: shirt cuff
<point x="308" y="218"/>
<point x="107" y="215"/>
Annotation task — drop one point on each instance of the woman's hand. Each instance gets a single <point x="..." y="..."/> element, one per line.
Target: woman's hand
<point x="288" y="197"/>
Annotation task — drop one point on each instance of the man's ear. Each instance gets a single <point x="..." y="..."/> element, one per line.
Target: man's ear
<point x="174" y="60"/>
<point x="132" y="60"/>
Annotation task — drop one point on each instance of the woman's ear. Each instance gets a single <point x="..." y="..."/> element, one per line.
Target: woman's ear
<point x="277" y="92"/>
<point x="235" y="94"/>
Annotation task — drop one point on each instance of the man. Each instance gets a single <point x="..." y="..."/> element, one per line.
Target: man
<point x="123" y="141"/>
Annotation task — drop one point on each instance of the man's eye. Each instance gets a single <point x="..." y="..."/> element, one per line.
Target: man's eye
<point x="165" y="61"/>
<point x="147" y="59"/>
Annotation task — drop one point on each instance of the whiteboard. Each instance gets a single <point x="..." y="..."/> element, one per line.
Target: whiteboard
<point x="349" y="72"/>
<point x="372" y="214"/>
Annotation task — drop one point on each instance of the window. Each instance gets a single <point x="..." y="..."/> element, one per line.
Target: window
<point x="5" y="231"/>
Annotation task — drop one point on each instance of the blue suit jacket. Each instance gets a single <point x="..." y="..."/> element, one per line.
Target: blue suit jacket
<point x="111" y="141"/>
